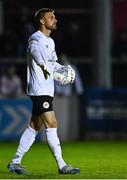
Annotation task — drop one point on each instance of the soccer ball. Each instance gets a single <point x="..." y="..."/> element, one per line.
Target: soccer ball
<point x="63" y="75"/>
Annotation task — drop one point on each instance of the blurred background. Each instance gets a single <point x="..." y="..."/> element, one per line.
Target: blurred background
<point x="92" y="37"/>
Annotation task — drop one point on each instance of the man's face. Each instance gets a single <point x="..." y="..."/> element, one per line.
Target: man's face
<point x="49" y="21"/>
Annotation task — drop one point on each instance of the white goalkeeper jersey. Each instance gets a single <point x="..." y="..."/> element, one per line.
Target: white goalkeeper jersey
<point x="41" y="50"/>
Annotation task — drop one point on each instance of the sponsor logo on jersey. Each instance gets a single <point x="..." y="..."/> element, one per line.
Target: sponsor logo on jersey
<point x="51" y="60"/>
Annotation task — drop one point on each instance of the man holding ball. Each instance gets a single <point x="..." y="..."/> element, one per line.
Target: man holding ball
<point x="41" y="64"/>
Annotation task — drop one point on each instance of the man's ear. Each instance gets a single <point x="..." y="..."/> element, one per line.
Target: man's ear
<point x="42" y="21"/>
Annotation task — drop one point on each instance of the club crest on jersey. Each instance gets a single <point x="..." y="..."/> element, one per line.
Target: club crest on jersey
<point x="46" y="105"/>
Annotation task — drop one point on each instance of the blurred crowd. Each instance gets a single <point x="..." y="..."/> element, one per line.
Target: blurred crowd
<point x="10" y="83"/>
<point x="72" y="39"/>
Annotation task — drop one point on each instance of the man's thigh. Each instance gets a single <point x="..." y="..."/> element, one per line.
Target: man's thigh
<point x="41" y="104"/>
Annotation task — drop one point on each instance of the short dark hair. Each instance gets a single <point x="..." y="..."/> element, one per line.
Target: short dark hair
<point x="40" y="13"/>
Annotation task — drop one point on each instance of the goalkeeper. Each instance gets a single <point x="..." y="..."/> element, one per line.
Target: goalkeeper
<point x="41" y="62"/>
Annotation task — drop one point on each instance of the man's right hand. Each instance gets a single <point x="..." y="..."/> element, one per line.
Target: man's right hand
<point x="45" y="71"/>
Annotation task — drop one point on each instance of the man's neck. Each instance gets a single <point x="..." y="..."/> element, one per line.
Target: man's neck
<point x="45" y="32"/>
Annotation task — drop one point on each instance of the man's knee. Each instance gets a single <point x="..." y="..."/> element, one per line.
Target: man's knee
<point x="52" y="124"/>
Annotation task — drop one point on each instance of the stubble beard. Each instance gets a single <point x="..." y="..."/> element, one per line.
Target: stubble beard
<point x="52" y="28"/>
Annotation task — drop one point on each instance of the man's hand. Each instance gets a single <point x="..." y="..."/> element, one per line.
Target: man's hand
<point x="72" y="73"/>
<point x="45" y="71"/>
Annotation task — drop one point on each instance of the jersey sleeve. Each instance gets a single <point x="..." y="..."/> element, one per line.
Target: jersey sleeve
<point x="34" y="50"/>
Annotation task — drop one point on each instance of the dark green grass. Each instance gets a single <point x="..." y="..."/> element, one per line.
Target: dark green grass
<point x="96" y="159"/>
